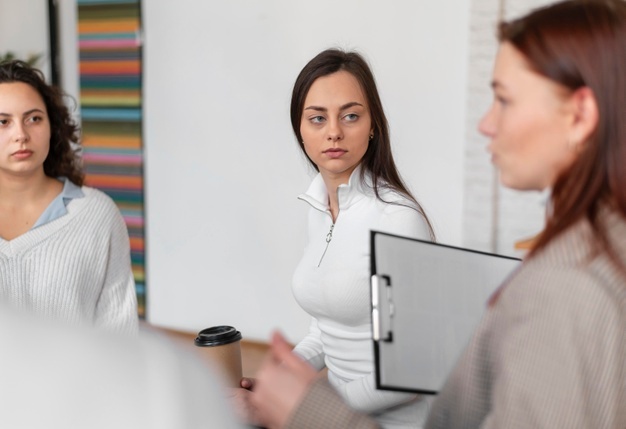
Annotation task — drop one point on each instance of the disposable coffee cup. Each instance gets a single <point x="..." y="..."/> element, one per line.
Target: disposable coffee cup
<point x="222" y="345"/>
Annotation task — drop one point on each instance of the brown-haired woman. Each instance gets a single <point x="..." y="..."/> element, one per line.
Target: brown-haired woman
<point x="340" y="125"/>
<point x="64" y="247"/>
<point x="551" y="349"/>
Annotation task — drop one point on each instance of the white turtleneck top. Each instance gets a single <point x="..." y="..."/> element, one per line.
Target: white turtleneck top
<point x="331" y="283"/>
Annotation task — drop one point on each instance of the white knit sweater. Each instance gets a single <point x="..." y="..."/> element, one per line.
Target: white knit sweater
<point x="76" y="268"/>
<point x="337" y="295"/>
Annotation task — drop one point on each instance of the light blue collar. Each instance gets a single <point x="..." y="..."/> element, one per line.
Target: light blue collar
<point x="58" y="206"/>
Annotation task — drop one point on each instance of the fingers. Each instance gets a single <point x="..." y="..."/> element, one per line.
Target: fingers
<point x="241" y="404"/>
<point x="283" y="360"/>
<point x="281" y="352"/>
<point x="279" y="341"/>
<point x="282" y="381"/>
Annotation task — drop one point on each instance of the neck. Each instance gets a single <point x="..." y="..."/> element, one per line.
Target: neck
<point x="332" y="183"/>
<point x="16" y="190"/>
<point x="333" y="203"/>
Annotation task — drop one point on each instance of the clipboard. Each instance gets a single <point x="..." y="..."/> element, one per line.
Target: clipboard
<point x="427" y="299"/>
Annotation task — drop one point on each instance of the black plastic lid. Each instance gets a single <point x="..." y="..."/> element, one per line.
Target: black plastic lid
<point x="217" y="336"/>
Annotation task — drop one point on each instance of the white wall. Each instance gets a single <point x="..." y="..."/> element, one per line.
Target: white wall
<point x="225" y="230"/>
<point x="219" y="150"/>
<point x="24" y="30"/>
<point x="68" y="47"/>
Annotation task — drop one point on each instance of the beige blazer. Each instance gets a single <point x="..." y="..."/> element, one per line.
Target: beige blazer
<point x="551" y="351"/>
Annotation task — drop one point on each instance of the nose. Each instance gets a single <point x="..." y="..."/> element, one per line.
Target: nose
<point x="487" y="125"/>
<point x="335" y="133"/>
<point x="21" y="135"/>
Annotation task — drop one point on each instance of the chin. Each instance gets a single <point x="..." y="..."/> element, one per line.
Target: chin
<point x="521" y="186"/>
<point x="514" y="183"/>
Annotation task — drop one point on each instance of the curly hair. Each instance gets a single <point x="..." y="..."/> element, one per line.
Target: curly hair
<point x="63" y="158"/>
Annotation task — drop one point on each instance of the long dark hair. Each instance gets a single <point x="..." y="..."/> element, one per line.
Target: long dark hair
<point x="378" y="159"/>
<point x="62" y="159"/>
<point x="582" y="43"/>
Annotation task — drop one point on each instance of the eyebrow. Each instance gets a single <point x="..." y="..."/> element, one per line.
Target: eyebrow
<point x="28" y="112"/>
<point x="344" y="107"/>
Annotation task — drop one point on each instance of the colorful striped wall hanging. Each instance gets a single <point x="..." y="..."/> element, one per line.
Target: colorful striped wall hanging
<point x="109" y="38"/>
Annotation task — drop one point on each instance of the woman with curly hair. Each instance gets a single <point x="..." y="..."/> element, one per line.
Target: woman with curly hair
<point x="64" y="247"/>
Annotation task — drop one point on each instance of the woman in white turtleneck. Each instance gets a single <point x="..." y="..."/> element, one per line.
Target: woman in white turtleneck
<point x="337" y="116"/>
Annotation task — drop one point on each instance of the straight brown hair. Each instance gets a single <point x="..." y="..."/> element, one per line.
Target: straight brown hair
<point x="582" y="43"/>
<point x="378" y="159"/>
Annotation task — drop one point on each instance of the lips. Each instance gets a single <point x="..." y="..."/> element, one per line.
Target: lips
<point x="22" y="154"/>
<point x="494" y="158"/>
<point x="334" y="152"/>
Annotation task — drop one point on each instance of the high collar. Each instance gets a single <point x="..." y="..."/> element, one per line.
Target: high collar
<point x="347" y="193"/>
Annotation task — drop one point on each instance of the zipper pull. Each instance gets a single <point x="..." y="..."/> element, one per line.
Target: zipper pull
<point x="329" y="237"/>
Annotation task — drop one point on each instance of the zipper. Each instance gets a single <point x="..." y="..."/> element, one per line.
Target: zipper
<point x="329" y="237"/>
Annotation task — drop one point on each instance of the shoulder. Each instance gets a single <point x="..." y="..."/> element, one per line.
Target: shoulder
<point x="574" y="268"/>
<point x="400" y="215"/>
<point x="551" y="317"/>
<point x="567" y="286"/>
<point x="96" y="195"/>
<point x="566" y="296"/>
<point x="96" y="198"/>
<point x="549" y="282"/>
<point x="101" y="209"/>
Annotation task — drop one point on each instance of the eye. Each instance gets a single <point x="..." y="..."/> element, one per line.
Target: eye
<point x="351" y="117"/>
<point x="502" y="101"/>
<point x="35" y="119"/>
<point x="4" y="121"/>
<point x="317" y="119"/>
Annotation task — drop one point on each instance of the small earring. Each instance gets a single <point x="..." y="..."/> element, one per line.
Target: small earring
<point x="371" y="136"/>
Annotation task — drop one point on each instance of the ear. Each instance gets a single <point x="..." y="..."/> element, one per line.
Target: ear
<point x="584" y="116"/>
